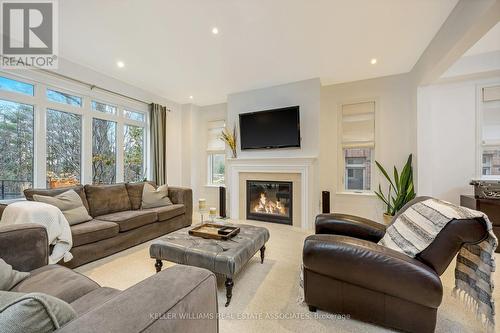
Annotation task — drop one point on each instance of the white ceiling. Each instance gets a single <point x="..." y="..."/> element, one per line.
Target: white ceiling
<point x="168" y="47"/>
<point x="482" y="59"/>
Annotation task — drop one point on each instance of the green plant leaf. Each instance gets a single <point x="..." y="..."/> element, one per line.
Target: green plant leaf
<point x="396" y="179"/>
<point x="403" y="186"/>
<point x="384" y="173"/>
<point x="381" y="197"/>
<point x="380" y="194"/>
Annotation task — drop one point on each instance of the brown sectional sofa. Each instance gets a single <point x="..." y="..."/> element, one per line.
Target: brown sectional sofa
<point x="118" y="220"/>
<point x="155" y="304"/>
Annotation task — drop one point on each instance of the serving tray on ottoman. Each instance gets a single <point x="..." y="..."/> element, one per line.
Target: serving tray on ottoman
<point x="223" y="257"/>
<point x="214" y="231"/>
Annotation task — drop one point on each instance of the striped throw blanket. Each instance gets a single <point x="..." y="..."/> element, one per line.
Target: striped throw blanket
<point x="418" y="226"/>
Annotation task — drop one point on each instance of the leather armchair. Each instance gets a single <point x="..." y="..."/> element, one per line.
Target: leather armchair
<point x="346" y="271"/>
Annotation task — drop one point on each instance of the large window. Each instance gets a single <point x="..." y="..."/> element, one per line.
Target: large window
<point x="216" y="153"/>
<point x="16" y="141"/>
<point x="490" y="133"/>
<point x="64" y="136"/>
<point x="103" y="151"/>
<point x="133" y="148"/>
<point x="357" y="143"/>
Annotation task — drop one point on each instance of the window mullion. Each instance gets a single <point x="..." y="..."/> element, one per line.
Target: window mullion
<point x="86" y="142"/>
<point x="40" y="138"/>
<point x="120" y="163"/>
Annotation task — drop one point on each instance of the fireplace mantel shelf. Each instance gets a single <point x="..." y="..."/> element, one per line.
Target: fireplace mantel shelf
<point x="246" y="159"/>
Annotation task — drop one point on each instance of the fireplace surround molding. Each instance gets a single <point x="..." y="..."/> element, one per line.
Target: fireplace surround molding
<point x="304" y="167"/>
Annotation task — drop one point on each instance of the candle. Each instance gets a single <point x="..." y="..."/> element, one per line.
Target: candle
<point x="202" y="204"/>
<point x="211" y="213"/>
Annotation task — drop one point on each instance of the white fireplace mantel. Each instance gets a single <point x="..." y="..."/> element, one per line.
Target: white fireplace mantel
<point x="300" y="165"/>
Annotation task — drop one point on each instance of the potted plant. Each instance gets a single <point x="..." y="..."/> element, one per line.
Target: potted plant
<point x="401" y="189"/>
<point x="230" y="139"/>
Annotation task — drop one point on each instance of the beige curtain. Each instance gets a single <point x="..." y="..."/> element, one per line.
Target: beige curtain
<point x="158" y="143"/>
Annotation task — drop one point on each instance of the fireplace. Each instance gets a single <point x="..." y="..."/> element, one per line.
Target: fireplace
<point x="269" y="201"/>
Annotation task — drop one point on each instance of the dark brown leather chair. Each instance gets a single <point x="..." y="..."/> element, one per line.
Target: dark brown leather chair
<point x="346" y="271"/>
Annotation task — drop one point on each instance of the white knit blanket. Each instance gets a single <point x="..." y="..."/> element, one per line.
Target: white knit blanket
<point x="58" y="230"/>
<point x="417" y="227"/>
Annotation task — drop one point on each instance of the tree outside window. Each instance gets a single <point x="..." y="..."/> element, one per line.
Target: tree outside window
<point x="133" y="153"/>
<point x="16" y="140"/>
<point x="64" y="135"/>
<point x="103" y="151"/>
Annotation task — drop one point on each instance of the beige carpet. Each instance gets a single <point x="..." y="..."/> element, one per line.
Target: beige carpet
<point x="265" y="295"/>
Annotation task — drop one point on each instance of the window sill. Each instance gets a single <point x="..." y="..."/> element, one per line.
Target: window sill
<point x="214" y="185"/>
<point x="362" y="194"/>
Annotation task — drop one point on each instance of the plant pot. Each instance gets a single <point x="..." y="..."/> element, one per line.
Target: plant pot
<point x="387" y="218"/>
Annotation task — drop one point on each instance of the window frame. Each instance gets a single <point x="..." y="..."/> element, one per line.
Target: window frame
<point x="81" y="138"/>
<point x="42" y="82"/>
<point x="21" y="81"/>
<point x="211" y="152"/>
<point x="64" y="91"/>
<point x="342" y="167"/>
<point x="480" y="146"/>
<point x="210" y="165"/>
<point x="33" y="145"/>
<point x="348" y="167"/>
<point x="145" y="146"/>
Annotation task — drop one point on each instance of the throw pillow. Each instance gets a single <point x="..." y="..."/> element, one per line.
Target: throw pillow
<point x="70" y="204"/>
<point x="152" y="197"/>
<point x="33" y="313"/>
<point x="10" y="277"/>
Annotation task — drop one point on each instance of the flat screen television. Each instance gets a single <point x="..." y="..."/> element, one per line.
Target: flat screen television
<point x="277" y="128"/>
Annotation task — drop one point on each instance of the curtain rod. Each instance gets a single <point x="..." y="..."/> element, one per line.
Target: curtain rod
<point x="92" y="86"/>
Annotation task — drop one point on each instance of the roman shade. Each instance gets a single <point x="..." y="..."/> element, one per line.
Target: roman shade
<point x="490" y="121"/>
<point x="358" y="125"/>
<point x="214" y="142"/>
<point x="491" y="94"/>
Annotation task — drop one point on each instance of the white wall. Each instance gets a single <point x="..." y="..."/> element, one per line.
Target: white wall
<point x="393" y="136"/>
<point x="447" y="145"/>
<point x="194" y="150"/>
<point x="306" y="94"/>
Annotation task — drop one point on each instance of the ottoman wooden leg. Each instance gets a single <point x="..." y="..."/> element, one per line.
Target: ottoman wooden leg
<point x="229" y="290"/>
<point x="262" y="251"/>
<point x="158" y="265"/>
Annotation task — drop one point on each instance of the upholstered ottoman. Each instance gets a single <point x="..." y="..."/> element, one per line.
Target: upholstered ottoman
<point x="226" y="258"/>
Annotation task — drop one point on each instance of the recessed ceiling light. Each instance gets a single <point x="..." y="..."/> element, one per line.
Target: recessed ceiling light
<point x="373" y="61"/>
<point x="120" y="64"/>
<point x="191" y="97"/>
<point x="215" y="30"/>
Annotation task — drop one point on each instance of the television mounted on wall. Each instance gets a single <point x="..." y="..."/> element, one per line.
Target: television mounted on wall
<point x="270" y="129"/>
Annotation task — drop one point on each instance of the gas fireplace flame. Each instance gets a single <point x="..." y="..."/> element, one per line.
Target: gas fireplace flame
<point x="265" y="205"/>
